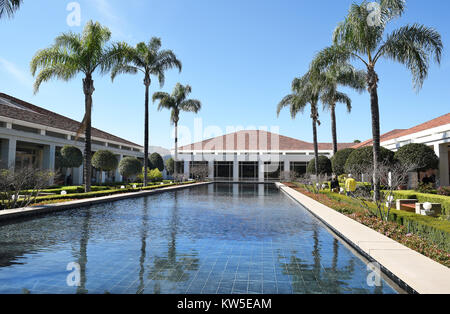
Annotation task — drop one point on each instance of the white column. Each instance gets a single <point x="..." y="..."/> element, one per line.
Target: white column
<point x="261" y="171"/>
<point x="287" y="170"/>
<point x="117" y="174"/>
<point x="187" y="169"/>
<point x="211" y="169"/>
<point x="49" y="159"/>
<point x="12" y="146"/>
<point x="78" y="176"/>
<point x="235" y="169"/>
<point x="442" y="152"/>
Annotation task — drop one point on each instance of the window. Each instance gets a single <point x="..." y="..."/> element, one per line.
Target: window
<point x="25" y="129"/>
<point x="56" y="135"/>
<point x="299" y="167"/>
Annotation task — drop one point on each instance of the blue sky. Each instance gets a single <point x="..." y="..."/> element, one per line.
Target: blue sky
<point x="239" y="57"/>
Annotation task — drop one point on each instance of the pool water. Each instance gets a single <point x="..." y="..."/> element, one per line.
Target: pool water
<point x="215" y="239"/>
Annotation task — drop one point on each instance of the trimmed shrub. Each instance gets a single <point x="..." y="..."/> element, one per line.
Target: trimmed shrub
<point x="156" y="162"/>
<point x="104" y="160"/>
<point x="129" y="167"/>
<point x="324" y="166"/>
<point x="339" y="159"/>
<point x="418" y="154"/>
<point x="72" y="156"/>
<point x="363" y="157"/>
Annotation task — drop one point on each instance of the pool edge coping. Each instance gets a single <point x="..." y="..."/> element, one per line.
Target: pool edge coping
<point x="27" y="212"/>
<point x="388" y="266"/>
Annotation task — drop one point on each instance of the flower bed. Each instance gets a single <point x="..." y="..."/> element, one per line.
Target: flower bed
<point x="390" y="229"/>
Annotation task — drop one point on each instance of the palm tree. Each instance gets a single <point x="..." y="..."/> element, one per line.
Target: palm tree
<point x="331" y="78"/>
<point x="8" y="7"/>
<point x="306" y="90"/>
<point x="70" y="55"/>
<point x="177" y="102"/>
<point x="357" y="39"/>
<point x="148" y="59"/>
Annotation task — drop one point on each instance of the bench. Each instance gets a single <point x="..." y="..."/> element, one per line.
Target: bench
<point x="407" y="205"/>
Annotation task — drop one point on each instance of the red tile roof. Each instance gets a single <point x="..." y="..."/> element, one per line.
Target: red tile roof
<point x="440" y="121"/>
<point x="256" y="140"/>
<point x="18" y="109"/>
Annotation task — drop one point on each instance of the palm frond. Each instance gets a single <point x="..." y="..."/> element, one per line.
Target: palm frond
<point x="9" y="7"/>
<point x="60" y="71"/>
<point x="190" y="105"/>
<point x="413" y="46"/>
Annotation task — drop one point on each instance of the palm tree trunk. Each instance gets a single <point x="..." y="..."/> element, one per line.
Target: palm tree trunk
<point x="147" y="86"/>
<point x="333" y="128"/>
<point x="176" y="150"/>
<point x="372" y="80"/>
<point x="316" y="148"/>
<point x="88" y="86"/>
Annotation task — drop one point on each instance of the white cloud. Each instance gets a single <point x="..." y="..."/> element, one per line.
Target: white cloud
<point x="21" y="76"/>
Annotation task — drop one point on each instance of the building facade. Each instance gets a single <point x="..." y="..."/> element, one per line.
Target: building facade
<point x="32" y="136"/>
<point x="251" y="155"/>
<point x="434" y="133"/>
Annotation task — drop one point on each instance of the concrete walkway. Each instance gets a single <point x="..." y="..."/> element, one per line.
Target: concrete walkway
<point x="417" y="271"/>
<point x="35" y="211"/>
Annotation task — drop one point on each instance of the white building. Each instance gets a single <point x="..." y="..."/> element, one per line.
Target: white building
<point x="31" y="135"/>
<point x="434" y="133"/>
<point x="251" y="155"/>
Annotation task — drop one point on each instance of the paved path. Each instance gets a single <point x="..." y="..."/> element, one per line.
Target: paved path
<point x="39" y="210"/>
<point x="417" y="271"/>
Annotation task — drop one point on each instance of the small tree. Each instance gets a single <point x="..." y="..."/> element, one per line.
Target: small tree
<point x="200" y="172"/>
<point x="418" y="154"/>
<point x="21" y="187"/>
<point x="339" y="159"/>
<point x="130" y="167"/>
<point x="392" y="176"/>
<point x="156" y="162"/>
<point x="170" y="165"/>
<point x="324" y="166"/>
<point x="73" y="157"/>
<point x="155" y="175"/>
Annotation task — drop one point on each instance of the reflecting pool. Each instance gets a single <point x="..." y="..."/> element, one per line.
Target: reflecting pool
<point x="221" y="238"/>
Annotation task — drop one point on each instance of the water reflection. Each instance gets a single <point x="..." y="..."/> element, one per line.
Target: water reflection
<point x="174" y="267"/>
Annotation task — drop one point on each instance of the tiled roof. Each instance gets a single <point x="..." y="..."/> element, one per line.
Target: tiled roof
<point x="14" y="108"/>
<point x="440" y="121"/>
<point x="256" y="140"/>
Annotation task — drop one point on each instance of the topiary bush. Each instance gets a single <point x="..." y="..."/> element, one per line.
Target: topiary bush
<point x="73" y="157"/>
<point x="419" y="155"/>
<point x="363" y="157"/>
<point x="156" y="162"/>
<point x="339" y="159"/>
<point x="130" y="167"/>
<point x="324" y="166"/>
<point x="104" y="160"/>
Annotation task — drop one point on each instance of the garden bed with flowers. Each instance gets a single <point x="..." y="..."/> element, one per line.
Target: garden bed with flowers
<point x="391" y="229"/>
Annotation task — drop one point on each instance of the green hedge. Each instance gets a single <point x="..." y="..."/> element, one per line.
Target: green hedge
<point x="423" y="198"/>
<point x="432" y="229"/>
<point x="78" y="196"/>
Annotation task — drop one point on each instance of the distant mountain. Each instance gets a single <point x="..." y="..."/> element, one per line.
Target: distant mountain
<point x="165" y="153"/>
